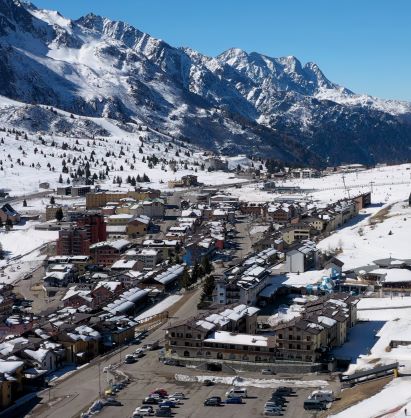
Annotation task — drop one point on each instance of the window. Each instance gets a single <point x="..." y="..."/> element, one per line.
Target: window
<point x="189" y="336"/>
<point x="280" y="336"/>
<point x="308" y="347"/>
<point x="298" y="346"/>
<point x="308" y="338"/>
<point x="173" y="334"/>
<point x="219" y="355"/>
<point x="298" y="338"/>
<point x="290" y="346"/>
<point x="186" y="354"/>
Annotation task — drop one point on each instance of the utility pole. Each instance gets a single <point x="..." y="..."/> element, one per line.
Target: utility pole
<point x="99" y="379"/>
<point x="345" y="186"/>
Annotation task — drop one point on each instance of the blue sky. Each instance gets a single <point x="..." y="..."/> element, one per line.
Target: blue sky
<point x="362" y="44"/>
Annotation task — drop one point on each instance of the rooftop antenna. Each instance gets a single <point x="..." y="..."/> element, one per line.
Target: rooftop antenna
<point x="345" y="186"/>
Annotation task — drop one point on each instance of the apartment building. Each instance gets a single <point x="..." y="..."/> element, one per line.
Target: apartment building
<point x="108" y="252"/>
<point x="95" y="200"/>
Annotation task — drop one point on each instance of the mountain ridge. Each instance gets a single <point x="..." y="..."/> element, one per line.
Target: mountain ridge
<point x="237" y="102"/>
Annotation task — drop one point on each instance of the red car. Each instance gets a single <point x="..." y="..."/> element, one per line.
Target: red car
<point x="161" y="392"/>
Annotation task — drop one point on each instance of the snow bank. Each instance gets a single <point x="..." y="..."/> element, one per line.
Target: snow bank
<point x="257" y="383"/>
<point x="389" y="402"/>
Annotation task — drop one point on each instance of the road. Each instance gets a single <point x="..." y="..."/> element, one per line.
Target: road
<point x="35" y="195"/>
<point x="74" y="394"/>
<point x="68" y="397"/>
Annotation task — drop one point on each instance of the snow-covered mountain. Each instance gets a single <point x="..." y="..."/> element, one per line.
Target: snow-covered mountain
<point x="236" y="102"/>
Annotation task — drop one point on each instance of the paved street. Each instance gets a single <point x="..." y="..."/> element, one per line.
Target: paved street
<point x="72" y="395"/>
<point x="76" y="392"/>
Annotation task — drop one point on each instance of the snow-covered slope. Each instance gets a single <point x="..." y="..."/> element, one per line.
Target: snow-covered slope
<point x="234" y="103"/>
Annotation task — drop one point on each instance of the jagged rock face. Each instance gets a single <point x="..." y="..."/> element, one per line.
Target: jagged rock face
<point x="236" y="102"/>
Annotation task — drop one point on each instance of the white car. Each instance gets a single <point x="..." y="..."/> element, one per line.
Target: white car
<point x="322" y="395"/>
<point x="107" y="368"/>
<point x="177" y="395"/>
<point x="145" y="410"/>
<point x="177" y="401"/>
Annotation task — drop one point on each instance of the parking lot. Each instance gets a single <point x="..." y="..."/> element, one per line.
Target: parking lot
<point x="161" y="376"/>
<point x="132" y="397"/>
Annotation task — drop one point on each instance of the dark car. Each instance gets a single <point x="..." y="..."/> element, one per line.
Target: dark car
<point x="212" y="402"/>
<point x="284" y="391"/>
<point x="208" y="382"/>
<point x="216" y="397"/>
<point x="163" y="413"/>
<point x="112" y="402"/>
<point x="278" y="401"/>
<point x="151" y="401"/>
<point x="234" y="399"/>
<point x="168" y="403"/>
<point x="314" y="405"/>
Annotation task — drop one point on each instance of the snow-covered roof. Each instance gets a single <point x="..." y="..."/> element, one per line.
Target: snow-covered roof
<point x="37" y="355"/>
<point x="329" y="322"/>
<point x="224" y="337"/>
<point x="110" y="285"/>
<point x="123" y="264"/>
<point x="85" y="333"/>
<point x="134" y="294"/>
<point x="117" y="244"/>
<point x="393" y="275"/>
<point x="124" y="216"/>
<point x="205" y="325"/>
<point x="170" y="274"/>
<point x="73" y="291"/>
<point x="9" y="367"/>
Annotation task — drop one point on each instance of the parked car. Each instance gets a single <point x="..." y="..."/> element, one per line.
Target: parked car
<point x="267" y="371"/>
<point x="144" y="410"/>
<point x="139" y="353"/>
<point x="212" y="402"/>
<point x="178" y="395"/>
<point x="160" y="392"/>
<point x="234" y="399"/>
<point x="284" y="391"/>
<point x="112" y="402"/>
<point x="208" y="382"/>
<point x="271" y="404"/>
<point x="236" y="391"/>
<point x="272" y="412"/>
<point x="168" y="403"/>
<point x="151" y="401"/>
<point x="107" y="368"/>
<point x="164" y="413"/>
<point x="129" y="359"/>
<point x="216" y="397"/>
<point x="323" y="395"/>
<point x="277" y="401"/>
<point x="175" y="400"/>
<point x="314" y="405"/>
